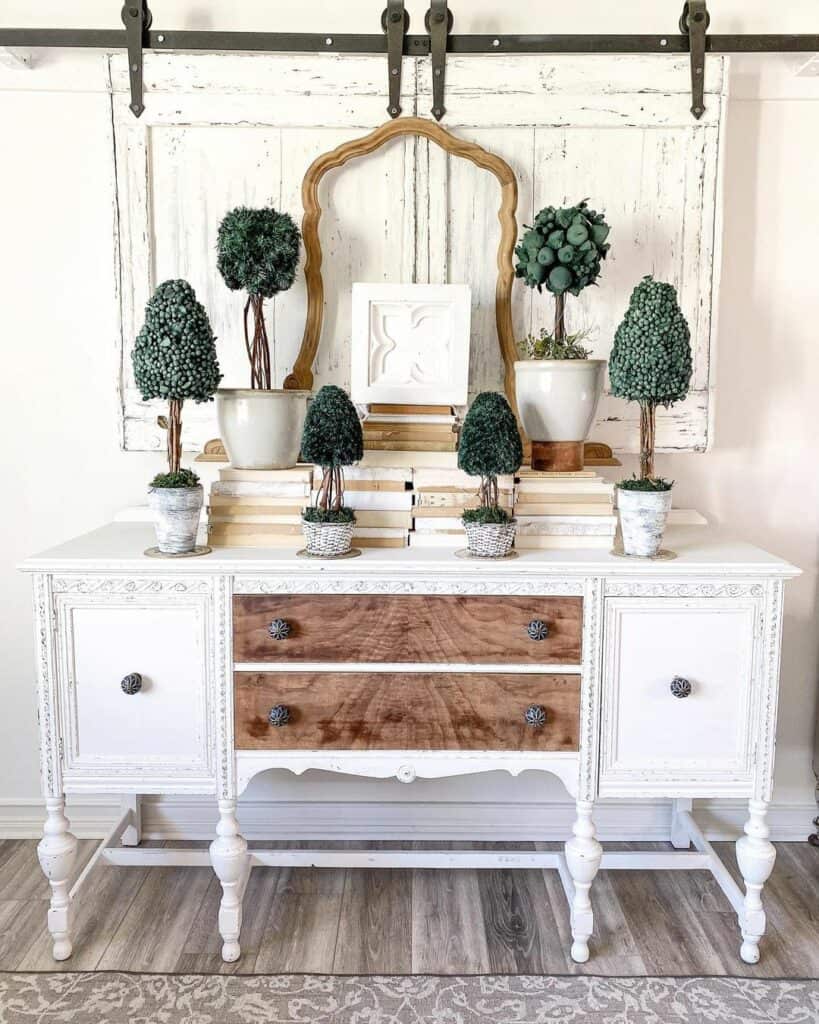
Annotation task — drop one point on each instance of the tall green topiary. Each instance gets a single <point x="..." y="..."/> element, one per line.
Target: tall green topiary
<point x="174" y="357"/>
<point x="332" y="438"/>
<point x="650" y="362"/>
<point x="258" y="252"/>
<point x="562" y="252"/>
<point x="489" y="446"/>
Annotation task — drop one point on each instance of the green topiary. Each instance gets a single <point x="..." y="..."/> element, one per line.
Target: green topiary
<point x="490" y="445"/>
<point x="645" y="484"/>
<point x="174" y="357"/>
<point x="332" y="438"/>
<point x="562" y="252"/>
<point x="181" y="478"/>
<point x="258" y="252"/>
<point x="650" y="362"/>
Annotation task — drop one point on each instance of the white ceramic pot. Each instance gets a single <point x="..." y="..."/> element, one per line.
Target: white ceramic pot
<point x="557" y="398"/>
<point x="643" y="515"/>
<point x="261" y="429"/>
<point x="176" y="512"/>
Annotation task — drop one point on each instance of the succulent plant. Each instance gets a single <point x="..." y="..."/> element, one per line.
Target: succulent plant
<point x="332" y="438"/>
<point x="650" y="361"/>
<point x="489" y="445"/>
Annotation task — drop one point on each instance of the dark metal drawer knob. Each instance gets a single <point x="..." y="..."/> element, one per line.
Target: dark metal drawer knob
<point x="279" y="629"/>
<point x="680" y="687"/>
<point x="279" y="715"/>
<point x="132" y="683"/>
<point x="537" y="629"/>
<point x="535" y="716"/>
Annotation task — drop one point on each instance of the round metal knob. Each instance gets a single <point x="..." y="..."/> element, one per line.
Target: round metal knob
<point x="680" y="687"/>
<point x="279" y="715"/>
<point x="132" y="683"/>
<point x="279" y="629"/>
<point x="537" y="629"/>
<point x="535" y="716"/>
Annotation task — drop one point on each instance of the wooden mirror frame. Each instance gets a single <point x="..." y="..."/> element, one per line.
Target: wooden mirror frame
<point x="302" y="376"/>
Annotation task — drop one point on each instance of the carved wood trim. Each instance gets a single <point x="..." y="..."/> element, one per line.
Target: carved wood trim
<point x="302" y="376"/>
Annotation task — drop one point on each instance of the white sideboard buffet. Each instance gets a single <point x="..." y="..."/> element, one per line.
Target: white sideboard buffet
<point x="622" y="677"/>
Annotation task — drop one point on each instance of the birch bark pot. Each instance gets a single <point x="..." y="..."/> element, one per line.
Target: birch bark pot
<point x="261" y="429"/>
<point x="176" y="512"/>
<point x="643" y="515"/>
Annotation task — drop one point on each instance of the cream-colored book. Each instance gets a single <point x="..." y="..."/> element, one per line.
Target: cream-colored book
<point x="260" y="488"/>
<point x="372" y="485"/>
<point x="404" y="431"/>
<point x="291" y="542"/>
<point x="411" y="446"/>
<point x="225" y="505"/>
<point x="597" y="498"/>
<point x="303" y="474"/>
<point x="429" y="477"/>
<point x="393" y="518"/>
<point x="379" y="542"/>
<point x="456" y="498"/>
<point x="527" y="473"/>
<point x="263" y="519"/>
<point x="438" y="460"/>
<point x="384" y="409"/>
<point x="260" y="529"/>
<point x="563" y="508"/>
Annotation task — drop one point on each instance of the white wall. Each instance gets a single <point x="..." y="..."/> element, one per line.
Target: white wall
<point x="63" y="471"/>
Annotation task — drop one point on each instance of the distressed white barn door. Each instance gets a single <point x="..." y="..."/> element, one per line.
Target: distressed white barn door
<point x="223" y="130"/>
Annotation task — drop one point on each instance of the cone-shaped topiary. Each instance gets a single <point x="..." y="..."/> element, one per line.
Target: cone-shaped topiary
<point x="174" y="357"/>
<point x="258" y="252"/>
<point x="650" y="362"/>
<point x="332" y="438"/>
<point x="562" y="252"/>
<point x="489" y="445"/>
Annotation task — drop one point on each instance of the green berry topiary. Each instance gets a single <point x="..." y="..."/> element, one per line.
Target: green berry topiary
<point x="258" y="252"/>
<point x="332" y="438"/>
<point x="174" y="357"/>
<point x="489" y="445"/>
<point x="562" y="252"/>
<point x="650" y="362"/>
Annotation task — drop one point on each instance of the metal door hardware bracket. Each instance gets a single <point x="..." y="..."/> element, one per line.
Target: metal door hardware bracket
<point x="137" y="20"/>
<point x="438" y="21"/>
<point x="395" y="22"/>
<point x="694" y="22"/>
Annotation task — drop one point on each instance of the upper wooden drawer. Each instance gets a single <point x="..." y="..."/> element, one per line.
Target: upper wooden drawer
<point x="404" y="628"/>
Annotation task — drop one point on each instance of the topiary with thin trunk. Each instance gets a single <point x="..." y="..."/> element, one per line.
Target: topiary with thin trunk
<point x="332" y="438"/>
<point x="258" y="252"/>
<point x="650" y="362"/>
<point x="489" y="446"/>
<point x="174" y="358"/>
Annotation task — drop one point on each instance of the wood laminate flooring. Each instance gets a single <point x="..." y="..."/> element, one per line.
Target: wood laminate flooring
<point x="340" y="921"/>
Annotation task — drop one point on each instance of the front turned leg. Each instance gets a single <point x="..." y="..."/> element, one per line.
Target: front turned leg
<point x="56" y="852"/>
<point x="231" y="862"/>
<point x="755" y="855"/>
<point x="583" y="856"/>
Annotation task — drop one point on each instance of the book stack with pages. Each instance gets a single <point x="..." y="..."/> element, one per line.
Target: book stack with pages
<point x="259" y="508"/>
<point x="410" y="428"/>
<point x="381" y="497"/>
<point x="564" y="510"/>
<point x="441" y="495"/>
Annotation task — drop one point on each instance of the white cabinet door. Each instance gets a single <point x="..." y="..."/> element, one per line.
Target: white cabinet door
<point x="158" y="738"/>
<point x="654" y="742"/>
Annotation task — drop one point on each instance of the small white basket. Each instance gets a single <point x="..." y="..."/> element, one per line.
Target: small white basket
<point x="490" y="540"/>
<point x="327" y="539"/>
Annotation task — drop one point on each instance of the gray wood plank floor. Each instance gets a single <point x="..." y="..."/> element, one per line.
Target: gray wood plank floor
<point x="400" y="921"/>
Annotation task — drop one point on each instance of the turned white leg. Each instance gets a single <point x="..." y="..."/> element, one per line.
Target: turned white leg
<point x="583" y="856"/>
<point x="230" y="860"/>
<point x="56" y="852"/>
<point x="132" y="836"/>
<point x="755" y="856"/>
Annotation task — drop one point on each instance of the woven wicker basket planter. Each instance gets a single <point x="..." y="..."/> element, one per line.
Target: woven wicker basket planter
<point x="327" y="539"/>
<point x="490" y="540"/>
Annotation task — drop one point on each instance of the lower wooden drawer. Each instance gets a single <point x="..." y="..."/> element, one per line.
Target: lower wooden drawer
<point x="406" y="711"/>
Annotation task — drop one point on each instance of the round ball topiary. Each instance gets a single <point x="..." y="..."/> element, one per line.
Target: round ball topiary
<point x="563" y="249"/>
<point x="258" y="250"/>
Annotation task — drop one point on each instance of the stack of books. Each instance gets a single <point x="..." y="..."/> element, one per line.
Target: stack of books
<point x="564" y="510"/>
<point x="259" y="508"/>
<point x="410" y="428"/>
<point x="441" y="495"/>
<point x="381" y="497"/>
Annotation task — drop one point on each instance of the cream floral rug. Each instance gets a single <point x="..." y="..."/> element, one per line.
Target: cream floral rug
<point x="117" y="998"/>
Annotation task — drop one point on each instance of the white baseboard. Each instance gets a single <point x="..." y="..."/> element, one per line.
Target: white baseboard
<point x="195" y="818"/>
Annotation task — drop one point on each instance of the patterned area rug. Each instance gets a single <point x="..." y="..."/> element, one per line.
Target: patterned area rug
<point x="117" y="997"/>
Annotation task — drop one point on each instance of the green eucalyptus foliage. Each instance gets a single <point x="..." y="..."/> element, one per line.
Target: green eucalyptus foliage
<point x="332" y="433"/>
<point x="328" y="515"/>
<point x="181" y="478"/>
<point x="547" y="346"/>
<point x="174" y="354"/>
<point x="486" y="514"/>
<point x="563" y="249"/>
<point x="650" y="362"/>
<point x="258" y="250"/>
<point x="646" y="484"/>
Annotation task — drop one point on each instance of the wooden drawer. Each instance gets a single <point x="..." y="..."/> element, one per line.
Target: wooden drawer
<point x="405" y="711"/>
<point x="408" y="628"/>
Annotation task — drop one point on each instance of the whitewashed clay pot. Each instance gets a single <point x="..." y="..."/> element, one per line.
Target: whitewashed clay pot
<point x="176" y="512"/>
<point x="327" y="539"/>
<point x="489" y="540"/>
<point x="261" y="429"/>
<point x="643" y="515"/>
<point x="558" y="398"/>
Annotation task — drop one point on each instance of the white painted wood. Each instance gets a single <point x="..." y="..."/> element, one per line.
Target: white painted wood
<point x="230" y="860"/>
<point x="114" y="835"/>
<point x="132" y="803"/>
<point x="756" y="856"/>
<point x="717" y="868"/>
<point x="56" y="852"/>
<point x="680" y="837"/>
<point x="583" y="854"/>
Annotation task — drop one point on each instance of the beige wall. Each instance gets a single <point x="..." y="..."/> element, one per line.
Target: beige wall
<point x="64" y="474"/>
